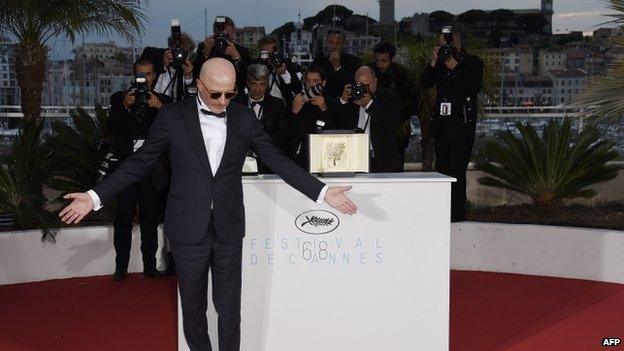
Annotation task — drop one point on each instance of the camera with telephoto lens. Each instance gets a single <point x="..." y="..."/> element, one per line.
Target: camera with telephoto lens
<point x="313" y="92"/>
<point x="447" y="50"/>
<point x="358" y="91"/>
<point x="221" y="39"/>
<point x="179" y="54"/>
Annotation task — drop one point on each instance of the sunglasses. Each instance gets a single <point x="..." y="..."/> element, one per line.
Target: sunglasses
<point x="215" y="95"/>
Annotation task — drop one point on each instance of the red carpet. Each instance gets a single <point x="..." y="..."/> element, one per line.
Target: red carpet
<point x="488" y="312"/>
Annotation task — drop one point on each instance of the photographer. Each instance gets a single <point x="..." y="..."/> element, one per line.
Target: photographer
<point x="131" y="114"/>
<point x="340" y="66"/>
<point x="392" y="75"/>
<point x="268" y="109"/>
<point x="223" y="44"/>
<point x="376" y="111"/>
<point x="283" y="81"/>
<point x="458" y="77"/>
<point x="177" y="64"/>
<point x="312" y="112"/>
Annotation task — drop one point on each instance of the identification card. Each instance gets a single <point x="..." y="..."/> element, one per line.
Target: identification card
<point x="138" y="143"/>
<point x="445" y="109"/>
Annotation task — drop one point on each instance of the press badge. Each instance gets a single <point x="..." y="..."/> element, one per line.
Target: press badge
<point x="138" y="143"/>
<point x="445" y="109"/>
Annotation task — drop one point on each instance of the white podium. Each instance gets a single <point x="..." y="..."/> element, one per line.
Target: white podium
<point x="314" y="279"/>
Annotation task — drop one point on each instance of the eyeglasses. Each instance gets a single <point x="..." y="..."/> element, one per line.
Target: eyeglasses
<point x="215" y="95"/>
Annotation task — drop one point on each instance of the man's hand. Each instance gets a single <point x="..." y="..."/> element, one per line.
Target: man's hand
<point x="208" y="44"/>
<point x="153" y="101"/>
<point x="364" y="100"/>
<point x="434" y="56"/>
<point x="129" y="99"/>
<point x="232" y="52"/>
<point x="334" y="59"/>
<point x="79" y="207"/>
<point x="297" y="103"/>
<point x="451" y="63"/>
<point x="188" y="69"/>
<point x="336" y="198"/>
<point x="167" y="58"/>
<point x="346" y="93"/>
<point x="319" y="101"/>
<point x="280" y="70"/>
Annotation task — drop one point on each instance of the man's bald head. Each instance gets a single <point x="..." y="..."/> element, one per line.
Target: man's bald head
<point x="218" y="71"/>
<point x="365" y="75"/>
<point x="217" y="75"/>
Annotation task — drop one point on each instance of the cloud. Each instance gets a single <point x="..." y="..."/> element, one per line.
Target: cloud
<point x="579" y="14"/>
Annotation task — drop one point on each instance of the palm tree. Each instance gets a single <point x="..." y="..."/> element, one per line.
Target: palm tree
<point x="604" y="94"/>
<point x="549" y="168"/>
<point x="35" y="22"/>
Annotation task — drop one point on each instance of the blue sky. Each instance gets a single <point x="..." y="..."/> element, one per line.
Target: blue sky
<point x="569" y="14"/>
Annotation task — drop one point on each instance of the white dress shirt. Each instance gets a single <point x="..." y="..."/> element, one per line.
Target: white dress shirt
<point x="275" y="91"/>
<point x="214" y="132"/>
<point x="257" y="108"/>
<point x="164" y="85"/>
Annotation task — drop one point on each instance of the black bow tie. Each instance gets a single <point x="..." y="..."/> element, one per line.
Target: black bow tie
<point x="254" y="103"/>
<point x="210" y="113"/>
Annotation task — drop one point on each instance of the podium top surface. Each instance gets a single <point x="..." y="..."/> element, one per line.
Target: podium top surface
<point x="405" y="177"/>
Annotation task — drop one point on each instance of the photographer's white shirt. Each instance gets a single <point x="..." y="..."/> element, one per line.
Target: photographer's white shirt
<point x="164" y="82"/>
<point x="275" y="91"/>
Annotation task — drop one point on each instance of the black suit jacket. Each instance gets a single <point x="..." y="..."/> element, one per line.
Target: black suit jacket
<point x="305" y="122"/>
<point x="385" y="115"/>
<point x="461" y="88"/>
<point x="336" y="80"/>
<point x="274" y="119"/>
<point x="194" y="189"/>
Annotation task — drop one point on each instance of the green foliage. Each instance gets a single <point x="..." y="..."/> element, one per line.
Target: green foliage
<point x="551" y="168"/>
<point x="28" y="170"/>
<point x="604" y="94"/>
<point x="44" y="20"/>
<point x="78" y="149"/>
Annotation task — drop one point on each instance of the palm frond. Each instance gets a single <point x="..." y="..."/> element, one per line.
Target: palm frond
<point x="551" y="168"/>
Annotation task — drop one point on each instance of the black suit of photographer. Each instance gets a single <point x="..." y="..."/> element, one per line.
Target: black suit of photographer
<point x="454" y="134"/>
<point x="337" y="79"/>
<point x="240" y="65"/>
<point x="396" y="78"/>
<point x="127" y="126"/>
<point x="306" y="122"/>
<point x="273" y="116"/>
<point x="384" y="117"/>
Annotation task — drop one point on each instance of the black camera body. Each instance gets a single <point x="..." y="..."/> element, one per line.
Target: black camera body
<point x="179" y="54"/>
<point x="447" y="50"/>
<point x="141" y="96"/>
<point x="277" y="59"/>
<point x="221" y="39"/>
<point x="358" y="91"/>
<point x="313" y="92"/>
<point x="110" y="161"/>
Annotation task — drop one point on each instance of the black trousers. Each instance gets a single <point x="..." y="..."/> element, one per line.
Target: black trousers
<point x="148" y="199"/>
<point x="192" y="264"/>
<point x="452" y="158"/>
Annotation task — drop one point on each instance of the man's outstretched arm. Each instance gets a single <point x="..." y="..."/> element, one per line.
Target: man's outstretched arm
<point x="297" y="177"/>
<point x="129" y="172"/>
